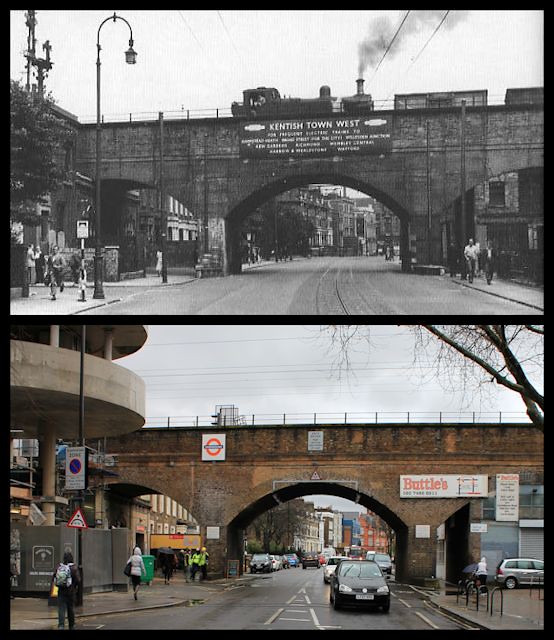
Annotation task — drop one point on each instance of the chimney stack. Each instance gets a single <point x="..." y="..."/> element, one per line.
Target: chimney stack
<point x="360" y="83"/>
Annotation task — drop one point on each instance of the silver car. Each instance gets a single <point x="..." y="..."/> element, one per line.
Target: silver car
<point x="514" y="571"/>
<point x="382" y="559"/>
<point x="330" y="566"/>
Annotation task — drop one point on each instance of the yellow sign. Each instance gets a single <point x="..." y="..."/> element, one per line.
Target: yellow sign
<point x="175" y="541"/>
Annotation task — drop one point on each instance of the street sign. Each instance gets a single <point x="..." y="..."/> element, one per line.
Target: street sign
<point x="75" y="468"/>
<point x="77" y="520"/>
<point x="82" y="229"/>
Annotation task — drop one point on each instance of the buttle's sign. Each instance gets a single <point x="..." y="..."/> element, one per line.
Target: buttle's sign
<point x="444" y="486"/>
<point x="314" y="138"/>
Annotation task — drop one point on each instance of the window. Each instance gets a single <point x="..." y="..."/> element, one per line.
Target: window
<point x="537" y="564"/>
<point x="497" y="194"/>
<point x="524" y="564"/>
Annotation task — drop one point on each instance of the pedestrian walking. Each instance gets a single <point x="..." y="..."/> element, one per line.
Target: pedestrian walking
<point x="203" y="564"/>
<point x="66" y="578"/>
<point x="30" y="263"/>
<point x="470" y="254"/>
<point x="75" y="266"/>
<point x="478" y="259"/>
<point x="159" y="263"/>
<point x="195" y="564"/>
<point x="481" y="572"/>
<point x="168" y="566"/>
<point x="137" y="569"/>
<point x="187" y="563"/>
<point x="452" y="259"/>
<point x="488" y="258"/>
<point x="39" y="265"/>
<point x="56" y="268"/>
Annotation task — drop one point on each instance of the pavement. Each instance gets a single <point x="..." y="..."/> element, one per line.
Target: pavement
<point x="35" y="613"/>
<point x="522" y="608"/>
<point x="68" y="302"/>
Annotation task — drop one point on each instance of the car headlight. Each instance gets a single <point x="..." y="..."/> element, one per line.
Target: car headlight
<point x="383" y="589"/>
<point x="344" y="588"/>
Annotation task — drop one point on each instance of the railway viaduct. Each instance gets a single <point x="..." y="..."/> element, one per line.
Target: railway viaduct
<point x="203" y="168"/>
<point x="268" y="465"/>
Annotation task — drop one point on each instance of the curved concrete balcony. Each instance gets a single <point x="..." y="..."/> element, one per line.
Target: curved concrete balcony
<point x="45" y="391"/>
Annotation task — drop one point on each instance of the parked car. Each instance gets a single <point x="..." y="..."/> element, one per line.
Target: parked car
<point x="275" y="562"/>
<point x="382" y="559"/>
<point x="294" y="560"/>
<point x="285" y="562"/>
<point x="310" y="561"/>
<point x="512" y="572"/>
<point x="330" y="567"/>
<point x="261" y="562"/>
<point x="359" y="583"/>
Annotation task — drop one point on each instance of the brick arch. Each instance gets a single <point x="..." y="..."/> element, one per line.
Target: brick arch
<point x="284" y="183"/>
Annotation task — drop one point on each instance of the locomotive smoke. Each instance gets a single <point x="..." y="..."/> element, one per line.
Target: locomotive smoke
<point x="381" y="32"/>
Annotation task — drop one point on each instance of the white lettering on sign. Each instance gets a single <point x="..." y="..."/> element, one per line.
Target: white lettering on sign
<point x="213" y="446"/>
<point x="507" y="497"/>
<point x="446" y="486"/>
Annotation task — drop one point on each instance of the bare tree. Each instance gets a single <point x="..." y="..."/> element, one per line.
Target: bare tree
<point x="470" y="357"/>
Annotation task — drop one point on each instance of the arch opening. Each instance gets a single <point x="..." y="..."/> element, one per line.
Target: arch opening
<point x="235" y="243"/>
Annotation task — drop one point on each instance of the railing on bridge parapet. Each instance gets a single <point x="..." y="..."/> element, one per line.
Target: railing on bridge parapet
<point x="222" y="112"/>
<point x="374" y="417"/>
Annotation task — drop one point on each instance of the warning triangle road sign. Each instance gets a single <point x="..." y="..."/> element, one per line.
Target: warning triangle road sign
<point x="315" y="475"/>
<point x="77" y="520"/>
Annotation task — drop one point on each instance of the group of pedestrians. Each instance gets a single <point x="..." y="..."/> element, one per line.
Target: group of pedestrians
<point x="473" y="261"/>
<point x="50" y="269"/>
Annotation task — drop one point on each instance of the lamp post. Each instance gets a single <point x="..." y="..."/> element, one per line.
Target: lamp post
<point x="130" y="58"/>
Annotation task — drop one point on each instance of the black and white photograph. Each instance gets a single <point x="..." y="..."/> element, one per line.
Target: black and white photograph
<point x="276" y="162"/>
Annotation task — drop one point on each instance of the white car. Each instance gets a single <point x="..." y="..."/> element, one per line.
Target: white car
<point x="330" y="566"/>
<point x="276" y="563"/>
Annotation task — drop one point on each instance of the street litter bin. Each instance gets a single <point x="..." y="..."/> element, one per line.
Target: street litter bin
<point x="149" y="566"/>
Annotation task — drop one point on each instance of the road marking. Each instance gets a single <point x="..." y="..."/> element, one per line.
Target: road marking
<point x="297" y="619"/>
<point x="432" y="624"/>
<point x="274" y="616"/>
<point x="405" y="603"/>
<point x="316" y="621"/>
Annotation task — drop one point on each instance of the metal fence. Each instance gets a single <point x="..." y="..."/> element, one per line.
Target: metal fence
<point x="222" y="112"/>
<point x="374" y="417"/>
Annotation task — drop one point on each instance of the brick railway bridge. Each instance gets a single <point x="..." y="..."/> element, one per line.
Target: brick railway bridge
<point x="203" y="169"/>
<point x="268" y="465"/>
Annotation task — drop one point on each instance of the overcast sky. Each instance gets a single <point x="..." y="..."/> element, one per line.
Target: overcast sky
<point x="205" y="59"/>
<point x="292" y="369"/>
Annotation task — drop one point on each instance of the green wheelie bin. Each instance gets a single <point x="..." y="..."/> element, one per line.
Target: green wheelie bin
<point x="149" y="566"/>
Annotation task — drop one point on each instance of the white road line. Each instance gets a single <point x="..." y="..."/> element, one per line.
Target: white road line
<point x="275" y="615"/>
<point x="405" y="603"/>
<point x="297" y="619"/>
<point x="432" y="624"/>
<point x="316" y="621"/>
<point x="307" y="600"/>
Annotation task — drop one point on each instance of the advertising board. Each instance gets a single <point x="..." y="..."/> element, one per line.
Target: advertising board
<point x="316" y="137"/>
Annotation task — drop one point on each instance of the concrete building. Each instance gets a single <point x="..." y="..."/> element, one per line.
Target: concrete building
<point x="45" y="366"/>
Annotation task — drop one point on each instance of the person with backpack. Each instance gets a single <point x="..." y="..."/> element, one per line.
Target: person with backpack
<point x="66" y="577"/>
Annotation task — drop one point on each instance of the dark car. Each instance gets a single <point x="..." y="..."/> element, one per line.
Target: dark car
<point x="359" y="582"/>
<point x="260" y="562"/>
<point x="382" y="559"/>
<point x="310" y="561"/>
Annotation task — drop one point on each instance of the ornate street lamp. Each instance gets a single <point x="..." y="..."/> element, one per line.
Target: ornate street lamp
<point x="130" y="58"/>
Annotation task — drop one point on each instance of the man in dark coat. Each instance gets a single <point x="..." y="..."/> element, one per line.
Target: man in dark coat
<point x="488" y="258"/>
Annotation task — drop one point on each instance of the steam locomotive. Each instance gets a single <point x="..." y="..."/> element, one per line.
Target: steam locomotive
<point x="267" y="102"/>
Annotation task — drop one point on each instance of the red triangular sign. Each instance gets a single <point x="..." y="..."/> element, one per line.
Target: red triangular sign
<point x="77" y="520"/>
<point x="315" y="476"/>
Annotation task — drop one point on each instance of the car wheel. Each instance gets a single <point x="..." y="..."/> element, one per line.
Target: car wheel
<point x="511" y="583"/>
<point x="336" y="604"/>
<point x="386" y="607"/>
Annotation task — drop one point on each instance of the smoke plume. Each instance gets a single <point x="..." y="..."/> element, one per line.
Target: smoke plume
<point x="381" y="32"/>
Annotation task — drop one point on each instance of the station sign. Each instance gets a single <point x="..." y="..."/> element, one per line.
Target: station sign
<point x="213" y="446"/>
<point x="316" y="137"/>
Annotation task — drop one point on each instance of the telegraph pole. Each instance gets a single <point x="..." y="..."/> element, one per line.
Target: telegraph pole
<point x="162" y="201"/>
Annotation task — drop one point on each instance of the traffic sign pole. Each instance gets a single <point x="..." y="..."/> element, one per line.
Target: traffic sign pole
<point x="82" y="444"/>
